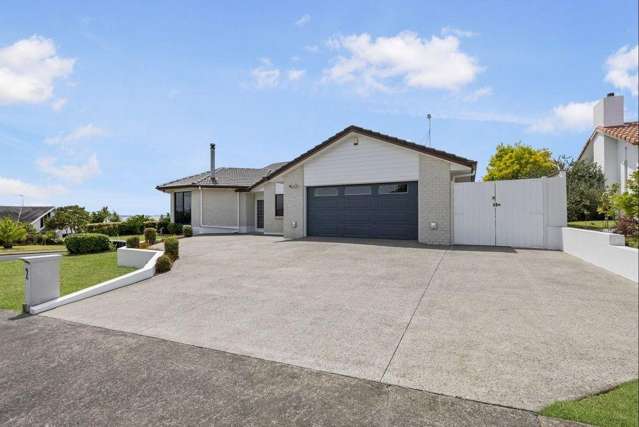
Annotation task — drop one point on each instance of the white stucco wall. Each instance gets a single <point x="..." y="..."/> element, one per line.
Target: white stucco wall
<point x="605" y="250"/>
<point x="369" y="161"/>
<point x="220" y="211"/>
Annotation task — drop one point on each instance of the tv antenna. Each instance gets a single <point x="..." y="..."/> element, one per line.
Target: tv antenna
<point x="429" y="117"/>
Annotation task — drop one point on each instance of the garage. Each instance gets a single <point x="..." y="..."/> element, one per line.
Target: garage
<point x="374" y="211"/>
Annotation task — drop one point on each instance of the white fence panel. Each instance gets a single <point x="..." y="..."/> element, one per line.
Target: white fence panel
<point x="474" y="214"/>
<point x="525" y="213"/>
<point x="520" y="213"/>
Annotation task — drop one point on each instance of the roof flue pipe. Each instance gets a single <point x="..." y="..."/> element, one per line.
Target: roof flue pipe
<point x="212" y="161"/>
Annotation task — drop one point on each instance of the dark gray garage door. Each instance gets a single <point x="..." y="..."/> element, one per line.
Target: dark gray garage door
<point x="379" y="211"/>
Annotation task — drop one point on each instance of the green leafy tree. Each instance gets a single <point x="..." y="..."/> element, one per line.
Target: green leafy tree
<point x="71" y="217"/>
<point x="114" y="217"/>
<point x="101" y="215"/>
<point x="585" y="183"/>
<point x="519" y="161"/>
<point x="10" y="232"/>
<point x="628" y="201"/>
<point x="606" y="207"/>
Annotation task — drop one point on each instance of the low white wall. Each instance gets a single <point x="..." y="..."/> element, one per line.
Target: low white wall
<point x="605" y="250"/>
<point x="142" y="258"/>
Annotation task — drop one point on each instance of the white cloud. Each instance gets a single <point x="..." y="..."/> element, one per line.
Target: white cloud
<point x="75" y="174"/>
<point x="28" y="70"/>
<point x="479" y="93"/>
<point x="404" y="60"/>
<point x="59" y="104"/>
<point x="312" y="48"/>
<point x="10" y="187"/>
<point x="89" y="131"/>
<point x="303" y="20"/>
<point x="266" y="76"/>
<point x="622" y="67"/>
<point x="458" y="32"/>
<point x="574" y="116"/>
<point x="295" y="74"/>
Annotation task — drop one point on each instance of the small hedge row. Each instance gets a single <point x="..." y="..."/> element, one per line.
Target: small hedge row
<point x="172" y="248"/>
<point x="87" y="243"/>
<point x="124" y="228"/>
<point x="163" y="264"/>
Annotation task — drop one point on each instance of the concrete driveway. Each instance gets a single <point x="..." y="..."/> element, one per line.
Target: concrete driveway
<point x="514" y="327"/>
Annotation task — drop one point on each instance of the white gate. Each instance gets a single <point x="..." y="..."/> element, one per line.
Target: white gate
<point x="525" y="213"/>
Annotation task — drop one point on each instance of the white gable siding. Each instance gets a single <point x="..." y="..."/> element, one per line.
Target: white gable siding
<point x="369" y="161"/>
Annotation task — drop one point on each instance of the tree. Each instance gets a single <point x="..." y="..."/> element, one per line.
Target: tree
<point x="114" y="217"/>
<point x="100" y="216"/>
<point x="606" y="206"/>
<point x="10" y="232"/>
<point x="72" y="217"/>
<point x="628" y="201"/>
<point x="585" y="183"/>
<point x="519" y="161"/>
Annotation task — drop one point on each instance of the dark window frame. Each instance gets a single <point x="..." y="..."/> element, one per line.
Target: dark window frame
<point x="279" y="205"/>
<point x="401" y="185"/>
<point x="315" y="190"/>
<point x="182" y="207"/>
<point x="367" y="193"/>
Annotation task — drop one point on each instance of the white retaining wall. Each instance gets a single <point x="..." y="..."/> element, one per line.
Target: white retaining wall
<point x="127" y="257"/>
<point x="605" y="250"/>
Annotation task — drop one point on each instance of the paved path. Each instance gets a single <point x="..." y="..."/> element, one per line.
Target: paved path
<point x="59" y="373"/>
<point x="519" y="328"/>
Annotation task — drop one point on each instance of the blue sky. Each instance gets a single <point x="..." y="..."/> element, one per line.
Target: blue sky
<point x="102" y="101"/>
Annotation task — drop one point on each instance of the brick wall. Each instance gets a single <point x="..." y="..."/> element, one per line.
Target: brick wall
<point x="434" y="201"/>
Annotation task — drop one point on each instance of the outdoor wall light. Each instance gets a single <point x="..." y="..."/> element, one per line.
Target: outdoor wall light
<point x="433" y="226"/>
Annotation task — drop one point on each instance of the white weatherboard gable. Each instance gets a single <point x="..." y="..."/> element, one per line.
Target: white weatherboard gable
<point x="368" y="161"/>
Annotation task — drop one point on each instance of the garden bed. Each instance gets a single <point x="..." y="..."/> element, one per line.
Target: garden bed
<point x="76" y="272"/>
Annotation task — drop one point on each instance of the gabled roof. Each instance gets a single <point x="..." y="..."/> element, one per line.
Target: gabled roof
<point x="224" y="178"/>
<point x="26" y="213"/>
<point x="372" y="134"/>
<point x="627" y="132"/>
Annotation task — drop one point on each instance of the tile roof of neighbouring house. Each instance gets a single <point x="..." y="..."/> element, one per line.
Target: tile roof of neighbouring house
<point x="628" y="132"/>
<point x="224" y="178"/>
<point x="26" y="213"/>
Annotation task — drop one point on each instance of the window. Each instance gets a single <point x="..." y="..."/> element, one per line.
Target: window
<point x="393" y="188"/>
<point x="279" y="205"/>
<point x="358" y="190"/>
<point x="325" y="192"/>
<point x="182" y="207"/>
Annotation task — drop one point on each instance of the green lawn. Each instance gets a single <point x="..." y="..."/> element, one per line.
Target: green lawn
<point x="76" y="272"/>
<point x="593" y="225"/>
<point x="618" y="407"/>
<point x="16" y="249"/>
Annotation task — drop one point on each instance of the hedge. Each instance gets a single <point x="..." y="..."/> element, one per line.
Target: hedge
<point x="133" y="242"/>
<point x="172" y="248"/>
<point x="108" y="228"/>
<point x="188" y="231"/>
<point x="86" y="243"/>
<point x="150" y="235"/>
<point x="163" y="264"/>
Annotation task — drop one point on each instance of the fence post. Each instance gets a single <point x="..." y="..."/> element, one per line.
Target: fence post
<point x="41" y="279"/>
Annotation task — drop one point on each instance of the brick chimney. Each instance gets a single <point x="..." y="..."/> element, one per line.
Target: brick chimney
<point x="608" y="111"/>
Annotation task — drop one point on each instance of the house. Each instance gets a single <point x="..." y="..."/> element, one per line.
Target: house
<point x="357" y="183"/>
<point x="34" y="215"/>
<point x="614" y="144"/>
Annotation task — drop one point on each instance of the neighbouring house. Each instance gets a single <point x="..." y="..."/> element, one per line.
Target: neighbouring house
<point x="614" y="144"/>
<point x="34" y="215"/>
<point x="357" y="183"/>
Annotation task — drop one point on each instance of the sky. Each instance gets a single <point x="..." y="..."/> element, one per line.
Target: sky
<point x="102" y="101"/>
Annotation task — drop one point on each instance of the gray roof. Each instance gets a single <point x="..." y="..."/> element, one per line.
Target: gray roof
<point x="28" y="214"/>
<point x="224" y="177"/>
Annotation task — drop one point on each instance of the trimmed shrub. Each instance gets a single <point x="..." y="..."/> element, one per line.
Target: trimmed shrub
<point x="174" y="228"/>
<point x="163" y="264"/>
<point x="150" y="235"/>
<point x="133" y="242"/>
<point x="144" y="245"/>
<point x="86" y="243"/>
<point x="151" y="224"/>
<point x="172" y="247"/>
<point x="108" y="228"/>
<point x="163" y="224"/>
<point x="187" y="230"/>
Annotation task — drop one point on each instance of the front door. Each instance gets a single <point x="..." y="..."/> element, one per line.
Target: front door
<point x="260" y="214"/>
